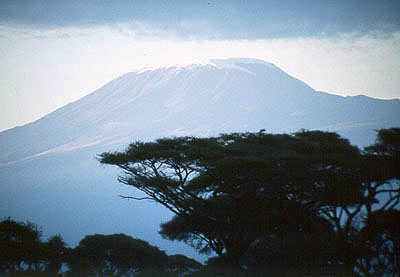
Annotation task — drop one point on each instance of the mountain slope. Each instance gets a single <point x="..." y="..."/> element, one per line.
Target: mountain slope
<point x="223" y="96"/>
<point x="48" y="170"/>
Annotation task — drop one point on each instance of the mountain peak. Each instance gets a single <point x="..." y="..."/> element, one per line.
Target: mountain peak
<point x="238" y="61"/>
<point x="228" y="63"/>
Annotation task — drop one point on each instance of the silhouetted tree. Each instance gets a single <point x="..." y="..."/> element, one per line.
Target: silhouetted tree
<point x="215" y="266"/>
<point x="376" y="188"/>
<point x="378" y="237"/>
<point x="20" y="246"/>
<point x="23" y="253"/>
<point x="55" y="251"/>
<point x="114" y="255"/>
<point x="179" y="265"/>
<point x="229" y="191"/>
<point x="381" y="237"/>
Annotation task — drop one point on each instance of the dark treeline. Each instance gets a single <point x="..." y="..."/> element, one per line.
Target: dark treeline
<point x="23" y="253"/>
<point x="304" y="204"/>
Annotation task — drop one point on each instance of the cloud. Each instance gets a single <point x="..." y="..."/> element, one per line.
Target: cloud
<point x="217" y="20"/>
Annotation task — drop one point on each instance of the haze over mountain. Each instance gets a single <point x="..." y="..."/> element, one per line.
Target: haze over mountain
<point x="48" y="170"/>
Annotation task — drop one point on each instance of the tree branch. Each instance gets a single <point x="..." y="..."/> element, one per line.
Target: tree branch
<point x="136" y="198"/>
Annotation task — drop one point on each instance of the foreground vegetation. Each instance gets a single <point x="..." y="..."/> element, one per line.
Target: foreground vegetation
<point x="23" y="253"/>
<point x="306" y="204"/>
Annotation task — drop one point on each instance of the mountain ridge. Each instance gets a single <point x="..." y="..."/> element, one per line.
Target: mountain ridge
<point x="111" y="106"/>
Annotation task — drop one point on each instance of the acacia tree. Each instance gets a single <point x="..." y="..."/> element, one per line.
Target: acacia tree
<point x="20" y="247"/>
<point x="229" y="191"/>
<point x="381" y="237"/>
<point x="374" y="189"/>
<point x="380" y="210"/>
<point x="114" y="255"/>
<point x="56" y="251"/>
<point x="22" y="251"/>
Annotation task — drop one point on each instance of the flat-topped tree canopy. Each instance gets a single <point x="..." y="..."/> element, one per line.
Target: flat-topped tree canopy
<point x="236" y="191"/>
<point x="231" y="189"/>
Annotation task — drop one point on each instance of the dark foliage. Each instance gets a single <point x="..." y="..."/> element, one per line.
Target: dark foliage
<point x="263" y="201"/>
<point x="179" y="265"/>
<point x="23" y="253"/>
<point x="122" y="255"/>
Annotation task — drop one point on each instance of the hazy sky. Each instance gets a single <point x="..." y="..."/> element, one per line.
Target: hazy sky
<point x="54" y="52"/>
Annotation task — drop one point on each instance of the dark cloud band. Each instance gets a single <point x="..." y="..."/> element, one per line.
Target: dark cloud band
<point x="213" y="19"/>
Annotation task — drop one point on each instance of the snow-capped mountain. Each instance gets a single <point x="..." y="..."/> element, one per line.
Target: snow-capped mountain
<point x="48" y="170"/>
<point x="221" y="96"/>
